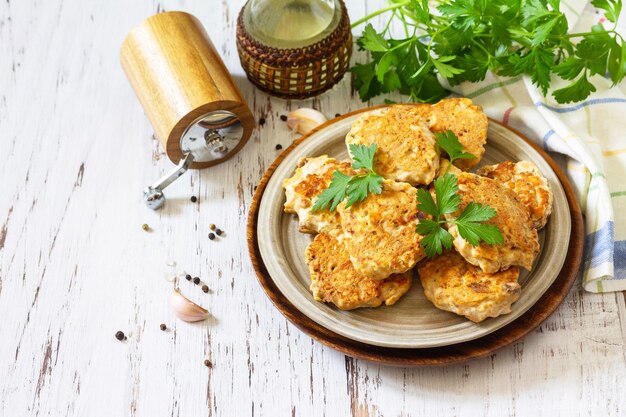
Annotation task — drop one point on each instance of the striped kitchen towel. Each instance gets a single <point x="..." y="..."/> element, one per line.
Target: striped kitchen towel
<point x="592" y="137"/>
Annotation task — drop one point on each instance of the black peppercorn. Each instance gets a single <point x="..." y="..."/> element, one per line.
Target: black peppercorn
<point x="219" y="232"/>
<point x="283" y="117"/>
<point x="196" y="280"/>
<point x="205" y="288"/>
<point x="278" y="146"/>
<point x="188" y="277"/>
<point x="119" y="335"/>
<point x="208" y="363"/>
<point x="337" y="114"/>
<point x="194" y="199"/>
<point x="261" y="121"/>
<point x="211" y="236"/>
<point x="163" y="327"/>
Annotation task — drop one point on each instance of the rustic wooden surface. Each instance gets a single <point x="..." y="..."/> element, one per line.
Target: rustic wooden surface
<point x="75" y="265"/>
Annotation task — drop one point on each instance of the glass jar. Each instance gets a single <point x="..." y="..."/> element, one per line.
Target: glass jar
<point x="291" y="23"/>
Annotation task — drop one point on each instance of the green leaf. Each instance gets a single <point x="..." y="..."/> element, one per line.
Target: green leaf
<point x="475" y="212"/>
<point x="475" y="233"/>
<point x="570" y="68"/>
<point x="334" y="194"/>
<point x="435" y="240"/>
<point x="372" y="40"/>
<point x="426" y="204"/>
<point x="543" y="31"/>
<point x="449" y="142"/>
<point x="365" y="80"/>
<point x="577" y="91"/>
<point x="363" y="155"/>
<point x="446" y="70"/>
<point x="446" y="188"/>
<point x="360" y="186"/>
<point x="385" y="62"/>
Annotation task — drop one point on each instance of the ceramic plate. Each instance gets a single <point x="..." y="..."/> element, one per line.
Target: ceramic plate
<point x="413" y="322"/>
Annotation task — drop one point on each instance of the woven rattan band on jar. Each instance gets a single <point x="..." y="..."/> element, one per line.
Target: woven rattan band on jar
<point x="297" y="73"/>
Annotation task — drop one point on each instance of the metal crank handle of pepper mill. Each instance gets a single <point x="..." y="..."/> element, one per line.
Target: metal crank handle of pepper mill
<point x="153" y="194"/>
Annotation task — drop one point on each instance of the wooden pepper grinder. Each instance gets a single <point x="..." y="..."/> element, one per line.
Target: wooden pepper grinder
<point x="197" y="111"/>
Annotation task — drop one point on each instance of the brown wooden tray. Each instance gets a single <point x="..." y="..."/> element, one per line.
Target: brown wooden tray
<point x="444" y="355"/>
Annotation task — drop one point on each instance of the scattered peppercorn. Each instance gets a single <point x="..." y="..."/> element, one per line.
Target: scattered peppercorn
<point x="211" y="236"/>
<point x="205" y="288"/>
<point x="212" y="226"/>
<point x="145" y="227"/>
<point x="208" y="363"/>
<point x="119" y="335"/>
<point x="194" y="198"/>
<point x="219" y="232"/>
<point x="163" y="327"/>
<point x="278" y="146"/>
<point x="261" y="121"/>
<point x="188" y="277"/>
<point x="337" y="114"/>
<point x="196" y="280"/>
<point x="283" y="117"/>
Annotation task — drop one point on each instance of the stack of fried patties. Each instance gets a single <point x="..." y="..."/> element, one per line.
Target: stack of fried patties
<point x="363" y="255"/>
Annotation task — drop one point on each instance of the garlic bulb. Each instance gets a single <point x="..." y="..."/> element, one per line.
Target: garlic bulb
<point x="304" y="120"/>
<point x="186" y="309"/>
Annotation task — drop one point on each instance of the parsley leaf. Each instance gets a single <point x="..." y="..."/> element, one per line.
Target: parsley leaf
<point x="373" y="41"/>
<point x="334" y="194"/>
<point x="447" y="200"/>
<point x="449" y="142"/>
<point x="363" y="156"/>
<point x="463" y="39"/>
<point x="434" y="241"/>
<point x="353" y="187"/>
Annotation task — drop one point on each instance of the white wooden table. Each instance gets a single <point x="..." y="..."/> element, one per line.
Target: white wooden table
<point x="76" y="266"/>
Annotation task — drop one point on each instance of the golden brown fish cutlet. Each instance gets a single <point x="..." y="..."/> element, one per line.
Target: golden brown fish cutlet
<point x="528" y="183"/>
<point x="452" y="284"/>
<point x="334" y="279"/>
<point x="521" y="244"/>
<point x="379" y="232"/>
<point x="312" y="176"/>
<point x="407" y="149"/>
<point x="465" y="119"/>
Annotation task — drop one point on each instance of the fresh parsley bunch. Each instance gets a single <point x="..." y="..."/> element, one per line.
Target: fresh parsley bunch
<point x="354" y="187"/>
<point x="464" y="39"/>
<point x="447" y="200"/>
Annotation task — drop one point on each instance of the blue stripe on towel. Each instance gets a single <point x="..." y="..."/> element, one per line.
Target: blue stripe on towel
<point x="599" y="246"/>
<point x="620" y="259"/>
<point x="547" y="136"/>
<point x="580" y="105"/>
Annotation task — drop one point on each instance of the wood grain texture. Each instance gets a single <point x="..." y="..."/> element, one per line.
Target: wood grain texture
<point x="75" y="265"/>
<point x="178" y="77"/>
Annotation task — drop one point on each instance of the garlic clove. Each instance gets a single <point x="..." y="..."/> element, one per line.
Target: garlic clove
<point x="186" y="309"/>
<point x="304" y="120"/>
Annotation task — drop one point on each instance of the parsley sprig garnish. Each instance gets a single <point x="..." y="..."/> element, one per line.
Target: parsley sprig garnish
<point x="464" y="39"/>
<point x="447" y="200"/>
<point x="354" y="187"/>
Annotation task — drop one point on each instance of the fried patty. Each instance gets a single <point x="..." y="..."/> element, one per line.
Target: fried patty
<point x="379" y="232"/>
<point x="334" y="279"/>
<point x="465" y="119"/>
<point x="452" y="284"/>
<point x="406" y="147"/>
<point x="530" y="186"/>
<point x="521" y="244"/>
<point x="313" y="176"/>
